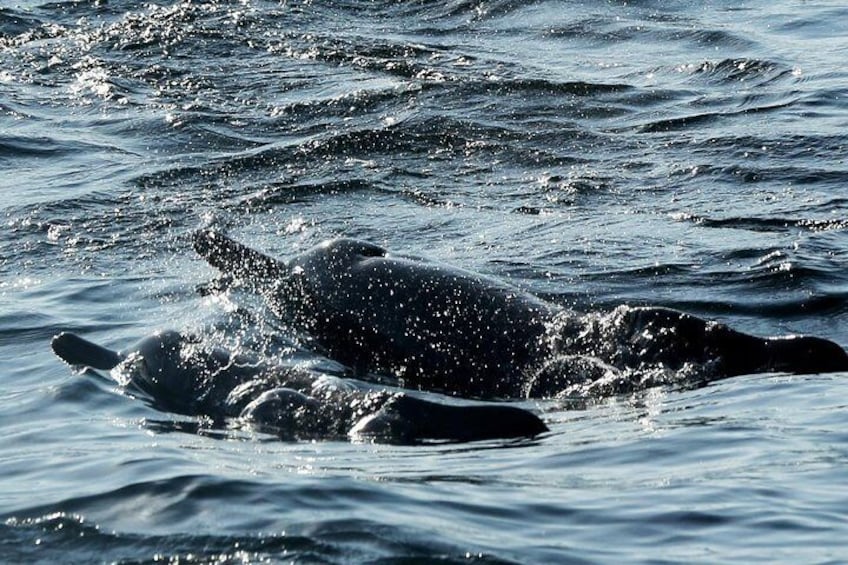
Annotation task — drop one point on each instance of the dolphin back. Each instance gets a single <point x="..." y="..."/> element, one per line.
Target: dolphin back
<point x="74" y="350"/>
<point x="231" y="257"/>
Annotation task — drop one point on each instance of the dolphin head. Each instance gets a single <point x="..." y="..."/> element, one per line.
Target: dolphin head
<point x="181" y="375"/>
<point x="157" y="366"/>
<point x="158" y="355"/>
<point x="236" y="259"/>
<point x="334" y="259"/>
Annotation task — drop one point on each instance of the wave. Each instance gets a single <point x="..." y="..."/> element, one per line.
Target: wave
<point x="56" y="535"/>
<point x="14" y="22"/>
<point x="774" y="224"/>
<point x="752" y="72"/>
<point x="707" y="119"/>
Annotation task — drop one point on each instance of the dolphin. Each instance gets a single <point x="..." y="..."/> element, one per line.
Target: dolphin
<point x="434" y="327"/>
<point x="179" y="374"/>
<point x="167" y="368"/>
<point x="440" y="328"/>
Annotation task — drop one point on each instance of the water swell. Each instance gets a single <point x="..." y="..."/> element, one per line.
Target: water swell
<point x="711" y="119"/>
<point x="773" y="224"/>
<point x="14" y="23"/>
<point x="187" y="504"/>
<point x="52" y="536"/>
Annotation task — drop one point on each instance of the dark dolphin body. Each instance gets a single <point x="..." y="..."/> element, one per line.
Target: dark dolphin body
<point x="440" y="328"/>
<point x="180" y="375"/>
<point x="434" y="327"/>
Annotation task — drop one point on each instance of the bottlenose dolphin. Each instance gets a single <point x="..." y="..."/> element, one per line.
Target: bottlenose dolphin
<point x="434" y="327"/>
<point x="441" y="328"/>
<point x="179" y="374"/>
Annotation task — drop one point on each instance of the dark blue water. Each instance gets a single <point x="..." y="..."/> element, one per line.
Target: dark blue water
<point x="596" y="153"/>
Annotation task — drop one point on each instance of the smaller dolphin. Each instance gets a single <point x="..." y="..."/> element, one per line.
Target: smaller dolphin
<point x="179" y="374"/>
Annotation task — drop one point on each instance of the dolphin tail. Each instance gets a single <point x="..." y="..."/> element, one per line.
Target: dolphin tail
<point x="232" y="257"/>
<point x="74" y="350"/>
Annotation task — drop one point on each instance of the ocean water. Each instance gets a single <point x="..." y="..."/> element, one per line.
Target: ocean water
<point x="596" y="153"/>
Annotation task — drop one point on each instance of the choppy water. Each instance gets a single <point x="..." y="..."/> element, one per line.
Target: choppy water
<point x="684" y="154"/>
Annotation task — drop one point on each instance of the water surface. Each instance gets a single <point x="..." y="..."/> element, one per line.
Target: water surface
<point x="596" y="153"/>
